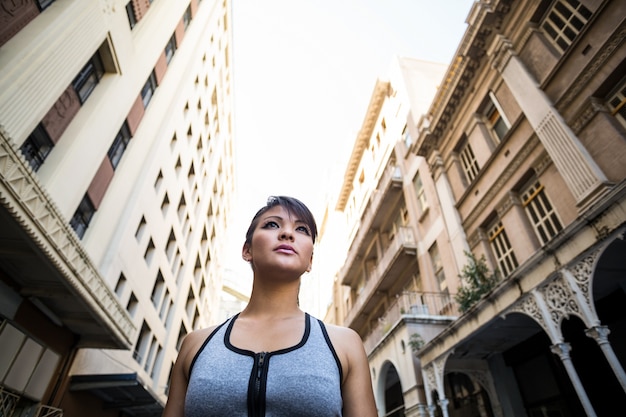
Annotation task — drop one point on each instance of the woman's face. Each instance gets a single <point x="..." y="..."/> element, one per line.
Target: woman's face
<point x="280" y="242"/>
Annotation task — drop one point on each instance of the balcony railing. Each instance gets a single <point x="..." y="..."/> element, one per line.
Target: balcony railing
<point x="45" y="411"/>
<point x="411" y="305"/>
<point x="403" y="241"/>
<point x="8" y="401"/>
<point x="390" y="176"/>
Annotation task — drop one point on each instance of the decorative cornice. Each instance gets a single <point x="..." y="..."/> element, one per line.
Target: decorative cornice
<point x="591" y="107"/>
<point x="382" y="90"/>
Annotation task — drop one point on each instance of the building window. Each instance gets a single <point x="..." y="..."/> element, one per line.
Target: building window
<point x="130" y="12"/>
<point x="469" y="163"/>
<point x="37" y="147"/>
<point x="540" y="211"/>
<point x="120" y="143"/>
<point x="187" y="17"/>
<point x="617" y="102"/>
<point x="81" y="218"/>
<point x="564" y="22"/>
<point x="406" y="136"/>
<point x="44" y="4"/>
<point x="143" y="343"/>
<point x="148" y="89"/>
<point x="421" y="196"/>
<point x="170" y="49"/>
<point x="435" y="258"/>
<point x="501" y="247"/>
<point x="88" y="77"/>
<point x="496" y="119"/>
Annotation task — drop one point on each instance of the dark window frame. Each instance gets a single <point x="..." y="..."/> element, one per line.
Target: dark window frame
<point x="130" y="12"/>
<point x="119" y="145"/>
<point x="170" y="48"/>
<point x="187" y="17"/>
<point x="44" y="4"/>
<point x="88" y="77"/>
<point x="37" y="147"/>
<point x="82" y="216"/>
<point x="148" y="89"/>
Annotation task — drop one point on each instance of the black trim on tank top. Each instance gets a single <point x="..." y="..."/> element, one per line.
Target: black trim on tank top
<point x="305" y="337"/>
<point x="193" y="361"/>
<point x="332" y="349"/>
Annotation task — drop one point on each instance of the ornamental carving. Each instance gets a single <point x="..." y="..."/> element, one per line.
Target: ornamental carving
<point x="560" y="300"/>
<point x="582" y="272"/>
<point x="594" y="66"/>
<point x="528" y="306"/>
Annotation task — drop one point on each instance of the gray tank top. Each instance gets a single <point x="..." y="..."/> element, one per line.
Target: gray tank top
<point x="303" y="380"/>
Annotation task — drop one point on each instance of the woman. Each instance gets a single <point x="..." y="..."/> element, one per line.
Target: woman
<point x="273" y="359"/>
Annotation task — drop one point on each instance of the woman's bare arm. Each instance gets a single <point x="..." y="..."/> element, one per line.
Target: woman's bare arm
<point x="175" y="406"/>
<point x="357" y="393"/>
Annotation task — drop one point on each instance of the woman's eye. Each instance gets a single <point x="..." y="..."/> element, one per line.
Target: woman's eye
<point x="304" y="229"/>
<point x="270" y="225"/>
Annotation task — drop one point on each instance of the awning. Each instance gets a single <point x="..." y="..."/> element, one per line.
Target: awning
<point x="124" y="392"/>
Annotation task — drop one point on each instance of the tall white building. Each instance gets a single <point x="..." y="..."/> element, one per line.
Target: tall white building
<point x="116" y="183"/>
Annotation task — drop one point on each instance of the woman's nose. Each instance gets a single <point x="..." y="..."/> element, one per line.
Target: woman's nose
<point x="286" y="233"/>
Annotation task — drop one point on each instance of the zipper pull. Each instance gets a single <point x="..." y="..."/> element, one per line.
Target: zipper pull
<point x="260" y="365"/>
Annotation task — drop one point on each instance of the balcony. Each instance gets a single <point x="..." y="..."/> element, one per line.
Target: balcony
<point x="396" y="259"/>
<point x="381" y="203"/>
<point x="411" y="306"/>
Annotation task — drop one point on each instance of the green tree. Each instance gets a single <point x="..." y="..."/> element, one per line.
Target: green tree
<point x="476" y="281"/>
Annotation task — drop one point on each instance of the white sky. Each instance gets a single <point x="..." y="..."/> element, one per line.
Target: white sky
<point x="304" y="71"/>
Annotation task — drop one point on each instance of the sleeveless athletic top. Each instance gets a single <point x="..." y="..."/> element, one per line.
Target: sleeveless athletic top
<point x="303" y="380"/>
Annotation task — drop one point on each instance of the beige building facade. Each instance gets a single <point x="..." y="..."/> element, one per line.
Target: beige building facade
<point x="520" y="161"/>
<point x="116" y="180"/>
<point x="389" y="215"/>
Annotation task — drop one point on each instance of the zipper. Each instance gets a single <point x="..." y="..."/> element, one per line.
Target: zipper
<point x="256" y="400"/>
<point x="259" y="372"/>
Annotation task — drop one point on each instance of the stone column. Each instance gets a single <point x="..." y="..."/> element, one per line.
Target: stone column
<point x="580" y="172"/>
<point x="562" y="350"/>
<point x="601" y="335"/>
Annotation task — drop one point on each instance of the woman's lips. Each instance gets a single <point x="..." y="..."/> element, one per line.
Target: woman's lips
<point x="285" y="249"/>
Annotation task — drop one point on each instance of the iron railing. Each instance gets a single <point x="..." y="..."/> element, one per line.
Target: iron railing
<point x="414" y="305"/>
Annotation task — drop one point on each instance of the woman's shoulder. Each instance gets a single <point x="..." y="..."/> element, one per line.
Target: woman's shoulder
<point x="192" y="343"/>
<point x="341" y="336"/>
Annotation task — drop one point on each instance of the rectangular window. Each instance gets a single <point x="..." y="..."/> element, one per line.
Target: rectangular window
<point x="406" y="136"/>
<point x="130" y="12"/>
<point x="540" y="211"/>
<point x="438" y="268"/>
<point x="37" y="147"/>
<point x="88" y="77"/>
<point x="170" y="49"/>
<point x="617" y="102"/>
<point x="148" y="89"/>
<point x="469" y="163"/>
<point x="421" y="196"/>
<point x="501" y="247"/>
<point x="496" y="119"/>
<point x="119" y="145"/>
<point x="187" y="17"/>
<point x="564" y="22"/>
<point x="81" y="218"/>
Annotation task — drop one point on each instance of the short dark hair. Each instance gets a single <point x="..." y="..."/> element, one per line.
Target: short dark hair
<point x="293" y="206"/>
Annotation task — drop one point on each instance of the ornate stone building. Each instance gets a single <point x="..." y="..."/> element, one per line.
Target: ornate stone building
<point x="115" y="180"/>
<point x="524" y="146"/>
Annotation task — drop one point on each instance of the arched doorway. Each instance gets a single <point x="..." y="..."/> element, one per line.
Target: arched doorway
<point x="393" y="397"/>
